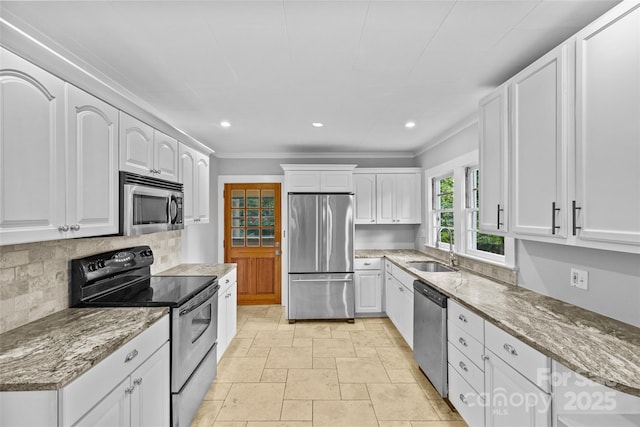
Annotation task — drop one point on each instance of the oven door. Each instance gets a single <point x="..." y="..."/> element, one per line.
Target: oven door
<point x="194" y="332"/>
<point x="149" y="210"/>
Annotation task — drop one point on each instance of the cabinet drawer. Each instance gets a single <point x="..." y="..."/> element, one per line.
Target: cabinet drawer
<point x="467" y="370"/>
<point x="228" y="279"/>
<point x="465" y="399"/>
<point x="83" y="393"/>
<point x="532" y="364"/>
<point x="368" y="263"/>
<point x="464" y="319"/>
<point x="405" y="278"/>
<point x="468" y="345"/>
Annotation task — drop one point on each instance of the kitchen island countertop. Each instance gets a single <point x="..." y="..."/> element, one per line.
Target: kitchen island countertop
<point x="600" y="348"/>
<point x="49" y="353"/>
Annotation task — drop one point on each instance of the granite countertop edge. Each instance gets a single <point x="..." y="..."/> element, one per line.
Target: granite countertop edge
<point x="602" y="349"/>
<point x="46" y="354"/>
<point x="199" y="269"/>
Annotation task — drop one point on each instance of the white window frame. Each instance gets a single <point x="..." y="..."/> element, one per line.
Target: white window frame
<point x="458" y="167"/>
<point x="435" y="192"/>
<point x="468" y="213"/>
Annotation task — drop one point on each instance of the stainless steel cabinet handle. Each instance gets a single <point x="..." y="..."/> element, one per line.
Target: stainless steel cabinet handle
<point x="462" y="399"/>
<point x="129" y="390"/>
<point x="554" y="227"/>
<point x="498" y="223"/>
<point x="226" y="281"/>
<point x="75" y="227"/>
<point x="462" y="318"/>
<point x="575" y="210"/>
<point x="483" y="357"/>
<point x="463" y="366"/>
<point x="367" y="263"/>
<point x="400" y="288"/>
<point x="63" y="228"/>
<point x="462" y="341"/>
<point x="137" y="381"/>
<point x="131" y="356"/>
<point x="509" y="349"/>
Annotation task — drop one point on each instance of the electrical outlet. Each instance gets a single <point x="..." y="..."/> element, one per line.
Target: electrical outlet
<point x="579" y="279"/>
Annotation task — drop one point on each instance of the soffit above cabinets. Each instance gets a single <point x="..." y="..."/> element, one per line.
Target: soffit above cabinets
<point x="272" y="68"/>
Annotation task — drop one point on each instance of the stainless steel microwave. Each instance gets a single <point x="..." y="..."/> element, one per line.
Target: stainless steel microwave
<point x="149" y="205"/>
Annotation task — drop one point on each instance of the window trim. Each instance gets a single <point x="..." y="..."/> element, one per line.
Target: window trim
<point x="458" y="166"/>
<point x="435" y="212"/>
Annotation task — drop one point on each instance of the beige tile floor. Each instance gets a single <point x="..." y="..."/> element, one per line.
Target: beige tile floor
<point x="317" y="374"/>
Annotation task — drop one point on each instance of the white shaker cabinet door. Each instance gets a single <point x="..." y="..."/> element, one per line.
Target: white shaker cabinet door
<point x="385" y="198"/>
<point x="32" y="152"/>
<point x="136" y="146"/>
<point x="92" y="188"/>
<point x="365" y="198"/>
<point x="150" y="398"/>
<point x="407" y="198"/>
<point x="608" y="129"/>
<point x="538" y="146"/>
<point x="114" y="410"/>
<point x="165" y="156"/>
<point x="368" y="286"/>
<point x="493" y="162"/>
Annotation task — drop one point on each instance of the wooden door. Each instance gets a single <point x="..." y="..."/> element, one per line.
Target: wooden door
<point x="252" y="240"/>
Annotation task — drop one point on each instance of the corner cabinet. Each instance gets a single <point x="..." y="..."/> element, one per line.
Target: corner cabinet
<point x="194" y="175"/>
<point x="607" y="199"/>
<point x="58" y="144"/>
<point x="391" y="197"/>
<point x="493" y="124"/>
<point x="318" y="178"/>
<point x="147" y="151"/>
<point x="227" y="310"/>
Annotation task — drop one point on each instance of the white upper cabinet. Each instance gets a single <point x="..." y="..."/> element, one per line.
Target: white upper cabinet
<point x="92" y="189"/>
<point x="146" y="151"/>
<point x="493" y="126"/>
<point x="318" y="178"/>
<point x="32" y="119"/>
<point x="538" y="103"/>
<point x="194" y="175"/>
<point x="55" y="184"/>
<point x="365" y="198"/>
<point x="607" y="174"/>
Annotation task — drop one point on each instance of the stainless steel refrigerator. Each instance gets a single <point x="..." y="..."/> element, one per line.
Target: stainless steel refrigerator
<point x="321" y="256"/>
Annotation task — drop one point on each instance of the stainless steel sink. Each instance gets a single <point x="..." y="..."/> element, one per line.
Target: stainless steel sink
<point x="430" y="266"/>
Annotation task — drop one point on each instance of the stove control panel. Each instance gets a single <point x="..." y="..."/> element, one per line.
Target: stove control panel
<point x="95" y="267"/>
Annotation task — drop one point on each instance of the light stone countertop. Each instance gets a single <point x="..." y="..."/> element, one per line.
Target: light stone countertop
<point x="597" y="347"/>
<point x="51" y="352"/>
<point x="199" y="270"/>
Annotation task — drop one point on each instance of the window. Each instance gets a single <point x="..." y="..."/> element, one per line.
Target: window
<point x="443" y="210"/>
<point x="480" y="244"/>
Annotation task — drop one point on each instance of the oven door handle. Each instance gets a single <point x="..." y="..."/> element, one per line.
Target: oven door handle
<point x="193" y="307"/>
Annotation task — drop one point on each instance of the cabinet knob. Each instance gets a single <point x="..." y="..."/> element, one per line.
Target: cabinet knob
<point x="510" y="349"/>
<point x="463" y="366"/>
<point x="400" y="288"/>
<point x="137" y="381"/>
<point x="463" y="318"/>
<point x="462" y="341"/>
<point x="463" y="399"/>
<point x="129" y="390"/>
<point x="373" y="220"/>
<point x="483" y="357"/>
<point x="63" y="228"/>
<point x="75" y="227"/>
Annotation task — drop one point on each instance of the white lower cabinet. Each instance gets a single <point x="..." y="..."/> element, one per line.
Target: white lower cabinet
<point x="368" y="284"/>
<point x="130" y="388"/>
<point x="399" y="302"/>
<point x="227" y="309"/>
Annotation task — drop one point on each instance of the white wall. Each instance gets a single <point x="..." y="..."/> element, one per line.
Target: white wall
<point x="614" y="277"/>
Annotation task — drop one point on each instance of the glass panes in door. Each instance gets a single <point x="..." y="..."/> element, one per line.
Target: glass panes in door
<point x="253" y="218"/>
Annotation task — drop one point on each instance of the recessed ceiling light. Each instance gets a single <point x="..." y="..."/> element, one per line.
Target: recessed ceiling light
<point x="225" y="124"/>
<point x="317" y="124"/>
<point x="410" y="125"/>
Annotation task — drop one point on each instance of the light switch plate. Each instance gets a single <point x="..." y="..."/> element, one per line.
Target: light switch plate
<point x="579" y="279"/>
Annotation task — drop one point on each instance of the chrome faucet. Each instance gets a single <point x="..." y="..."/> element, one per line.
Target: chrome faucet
<point x="453" y="258"/>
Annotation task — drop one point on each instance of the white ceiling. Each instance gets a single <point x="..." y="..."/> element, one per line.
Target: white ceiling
<point x="271" y="68"/>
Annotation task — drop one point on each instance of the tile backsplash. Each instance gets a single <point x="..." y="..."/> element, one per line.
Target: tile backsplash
<point x="34" y="277"/>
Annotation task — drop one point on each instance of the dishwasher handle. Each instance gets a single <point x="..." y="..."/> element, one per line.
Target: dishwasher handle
<point x="434" y="296"/>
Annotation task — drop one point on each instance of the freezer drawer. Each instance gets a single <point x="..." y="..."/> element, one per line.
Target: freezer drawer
<point x="321" y="296"/>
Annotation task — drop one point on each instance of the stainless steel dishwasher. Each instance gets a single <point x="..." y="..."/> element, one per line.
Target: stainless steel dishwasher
<point x="430" y="334"/>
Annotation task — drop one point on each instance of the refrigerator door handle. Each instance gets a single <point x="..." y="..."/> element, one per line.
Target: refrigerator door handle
<point x="329" y="230"/>
<point x="319" y="236"/>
